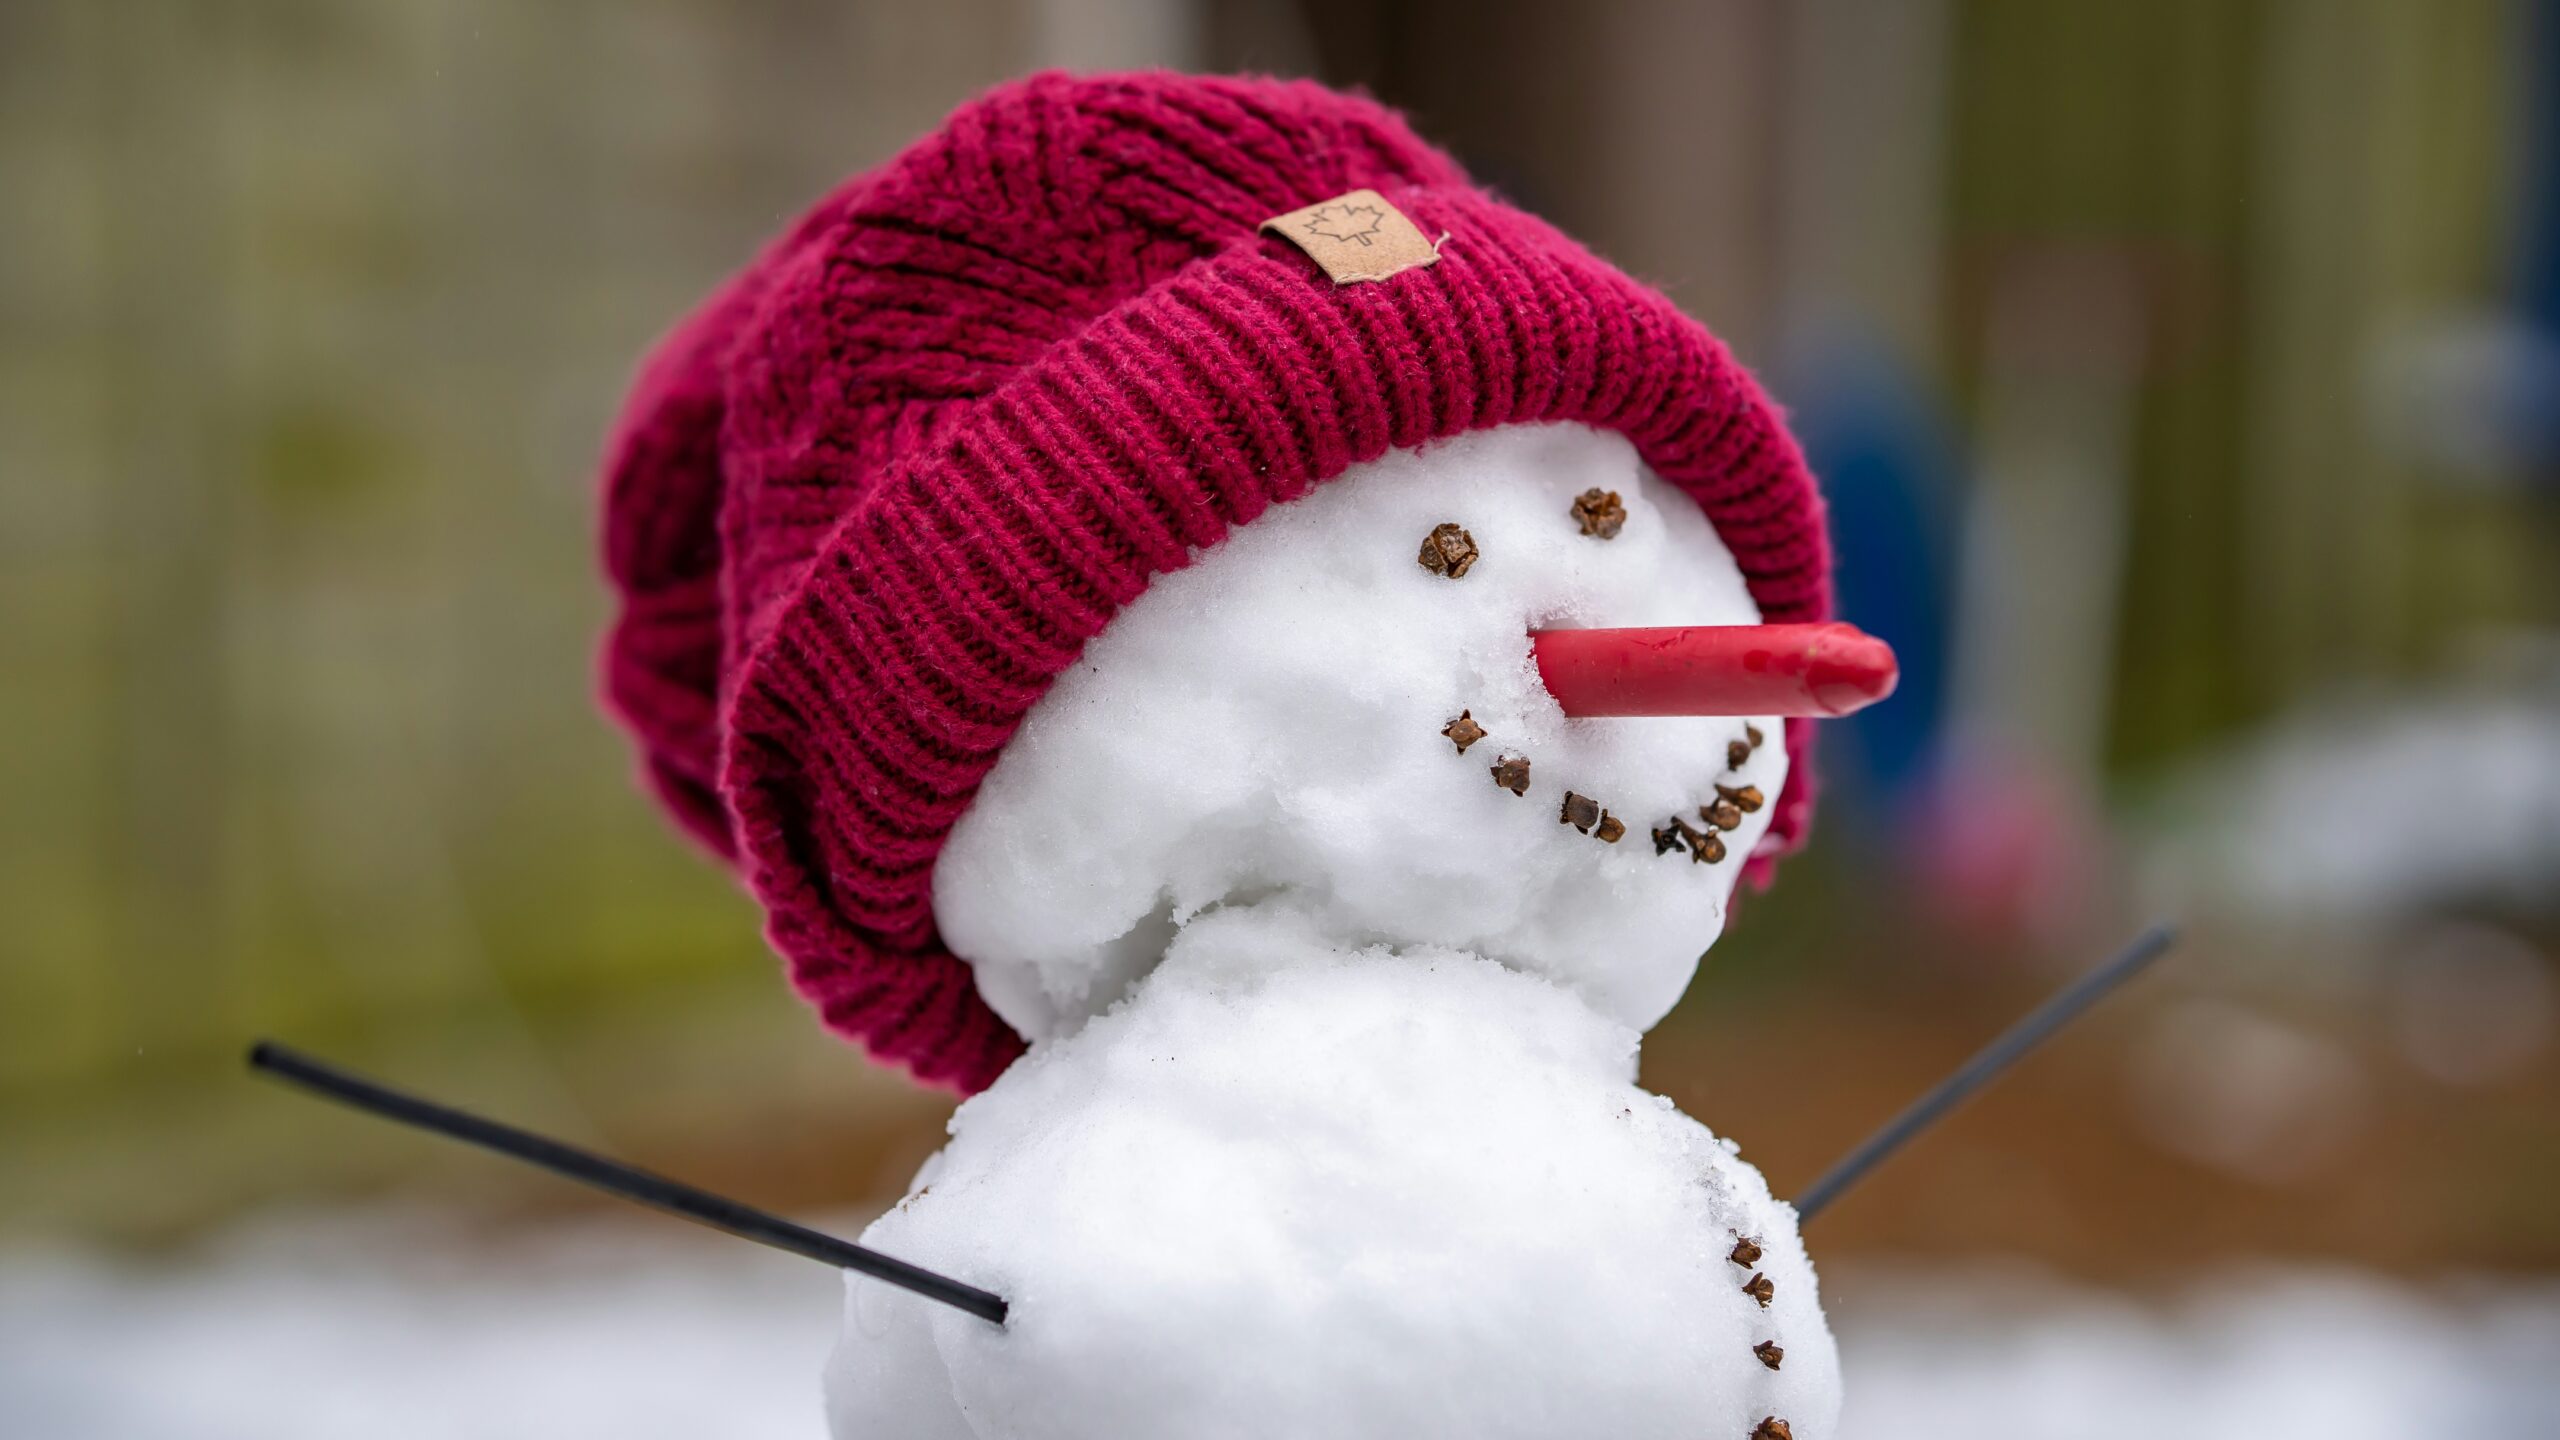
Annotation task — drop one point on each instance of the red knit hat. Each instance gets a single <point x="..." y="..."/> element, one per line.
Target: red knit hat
<point x="870" y="500"/>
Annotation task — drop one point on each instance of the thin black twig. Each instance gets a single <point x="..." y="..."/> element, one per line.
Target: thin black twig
<point x="2012" y="1045"/>
<point x="616" y="1178"/>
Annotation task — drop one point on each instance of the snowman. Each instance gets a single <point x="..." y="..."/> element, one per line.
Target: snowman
<point x="1263" y="665"/>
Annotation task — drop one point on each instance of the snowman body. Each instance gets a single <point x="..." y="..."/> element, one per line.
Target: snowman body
<point x="1328" y="1126"/>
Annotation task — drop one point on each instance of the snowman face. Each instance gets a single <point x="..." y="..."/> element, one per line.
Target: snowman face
<point x="1274" y="725"/>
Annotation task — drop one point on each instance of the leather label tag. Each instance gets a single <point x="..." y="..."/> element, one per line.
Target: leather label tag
<point x="1355" y="237"/>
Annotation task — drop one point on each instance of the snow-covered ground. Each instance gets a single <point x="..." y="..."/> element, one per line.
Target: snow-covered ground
<point x="2282" y="822"/>
<point x="383" y="1328"/>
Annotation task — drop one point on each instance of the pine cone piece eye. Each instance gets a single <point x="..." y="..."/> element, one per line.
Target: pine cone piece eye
<point x="1448" y="550"/>
<point x="1600" y="513"/>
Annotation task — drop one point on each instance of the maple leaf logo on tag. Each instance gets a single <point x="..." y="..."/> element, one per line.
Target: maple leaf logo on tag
<point x="1355" y="237"/>
<point x="1346" y="222"/>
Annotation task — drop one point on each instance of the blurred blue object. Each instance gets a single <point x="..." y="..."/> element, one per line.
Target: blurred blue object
<point x="2537" y="274"/>
<point x="1876" y="437"/>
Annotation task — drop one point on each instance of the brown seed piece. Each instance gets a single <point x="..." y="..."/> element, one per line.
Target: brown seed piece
<point x="1769" y="1353"/>
<point x="1666" y="838"/>
<point x="1746" y="1251"/>
<point x="1736" y="752"/>
<point x="1704" y="848"/>
<point x="1772" y="1428"/>
<point x="1724" y="814"/>
<point x="1759" y="1288"/>
<point x="1611" y="829"/>
<point x="1599" y="513"/>
<point x="1511" y="772"/>
<point x="1448" y="550"/>
<point x="1752" y="734"/>
<point x="1464" y="730"/>
<point x="1580" y="811"/>
<point x="1745" y="798"/>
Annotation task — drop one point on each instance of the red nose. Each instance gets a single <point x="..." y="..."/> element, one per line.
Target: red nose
<point x="1829" y="669"/>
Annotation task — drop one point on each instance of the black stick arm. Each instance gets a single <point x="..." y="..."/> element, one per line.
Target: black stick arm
<point x="1986" y="1066"/>
<point x="614" y="1178"/>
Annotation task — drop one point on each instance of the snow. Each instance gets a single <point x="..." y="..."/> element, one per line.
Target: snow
<point x="1267" y="722"/>
<point x="1288" y="1189"/>
<point x="402" y="1327"/>
<point x="2285" y="824"/>
<point x="2276" y="1354"/>
<point x="377" y="1327"/>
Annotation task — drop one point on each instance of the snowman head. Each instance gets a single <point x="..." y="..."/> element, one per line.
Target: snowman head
<point x="1310" y="716"/>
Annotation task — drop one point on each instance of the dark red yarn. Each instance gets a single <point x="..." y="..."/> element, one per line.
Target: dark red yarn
<point x="880" y="490"/>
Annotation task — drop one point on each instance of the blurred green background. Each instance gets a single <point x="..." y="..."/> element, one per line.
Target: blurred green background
<point x="2182" y="372"/>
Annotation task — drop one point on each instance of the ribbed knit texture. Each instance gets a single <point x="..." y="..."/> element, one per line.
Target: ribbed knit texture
<point x="881" y="489"/>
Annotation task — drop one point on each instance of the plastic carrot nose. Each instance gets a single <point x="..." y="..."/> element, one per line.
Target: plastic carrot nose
<point x="1828" y="669"/>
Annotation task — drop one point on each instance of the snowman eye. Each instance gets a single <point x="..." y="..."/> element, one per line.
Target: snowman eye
<point x="1600" y="513"/>
<point x="1448" y="550"/>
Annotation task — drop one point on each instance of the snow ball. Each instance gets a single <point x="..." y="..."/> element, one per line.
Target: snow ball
<point x="1288" y="1189"/>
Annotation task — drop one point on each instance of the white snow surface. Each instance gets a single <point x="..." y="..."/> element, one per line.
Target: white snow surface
<point x="2278" y="823"/>
<point x="407" y="1326"/>
<point x="1267" y="722"/>
<point x="1288" y="1189"/>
